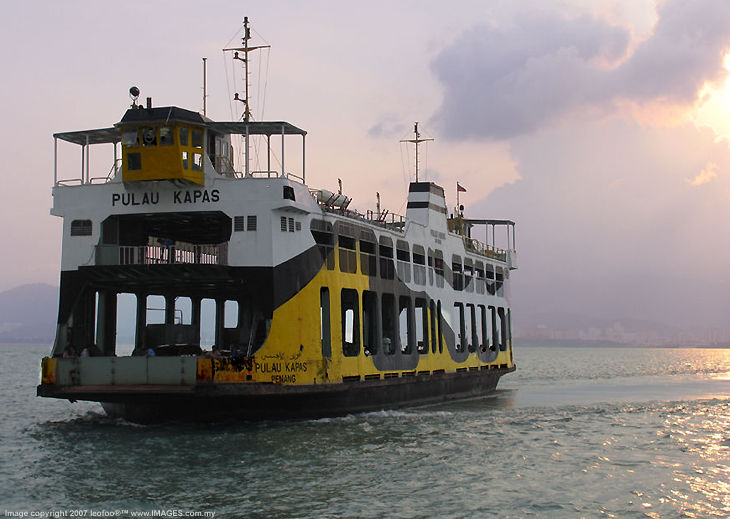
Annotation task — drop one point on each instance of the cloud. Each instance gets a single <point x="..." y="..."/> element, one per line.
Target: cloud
<point x="704" y="176"/>
<point x="505" y="80"/>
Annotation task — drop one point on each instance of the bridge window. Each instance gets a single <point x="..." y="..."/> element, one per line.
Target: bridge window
<point x="184" y="136"/>
<point x="185" y="159"/>
<point x="197" y="138"/>
<point x="130" y="138"/>
<point x="166" y="136"/>
<point x="149" y="138"/>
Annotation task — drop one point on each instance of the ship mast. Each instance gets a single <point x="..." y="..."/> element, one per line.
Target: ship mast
<point x="245" y="49"/>
<point x="416" y="141"/>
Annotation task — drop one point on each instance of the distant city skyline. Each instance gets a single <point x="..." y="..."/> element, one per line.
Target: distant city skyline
<point x="601" y="128"/>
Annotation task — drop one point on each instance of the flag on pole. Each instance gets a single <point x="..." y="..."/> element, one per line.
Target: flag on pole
<point x="460" y="188"/>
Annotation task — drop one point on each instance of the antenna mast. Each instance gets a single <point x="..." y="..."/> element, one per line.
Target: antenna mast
<point x="205" y="85"/>
<point x="245" y="49"/>
<point x="416" y="141"/>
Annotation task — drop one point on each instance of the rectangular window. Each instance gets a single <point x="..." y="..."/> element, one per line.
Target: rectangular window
<point x="185" y="159"/>
<point x="419" y="265"/>
<point x="502" y="329"/>
<point x="166" y="136"/>
<point x="251" y="222"/>
<point x="438" y="265"/>
<point x="238" y="224"/>
<point x="197" y="162"/>
<point x="183" y="136"/>
<point x="461" y="341"/>
<point x="134" y="161"/>
<point x="291" y="224"/>
<point x="387" y="269"/>
<point x="298" y="226"/>
<point x="326" y="247"/>
<point x="149" y="137"/>
<point x="324" y="321"/>
<point x="130" y="138"/>
<point x="490" y="280"/>
<point x="471" y="328"/>
<point x="370" y="322"/>
<point x="495" y="330"/>
<point x="348" y="255"/>
<point x="439" y="325"/>
<point x="405" y="324"/>
<point x="434" y="337"/>
<point x="197" y="138"/>
<point x="458" y="278"/>
<point x="403" y="265"/>
<point x="500" y="283"/>
<point x="468" y="276"/>
<point x="81" y="228"/>
<point x="483" y="329"/>
<point x="368" y="259"/>
<point x="283" y="223"/>
<point x="350" y="323"/>
<point x="479" y="274"/>
<point x="389" y="323"/>
<point x="421" y="325"/>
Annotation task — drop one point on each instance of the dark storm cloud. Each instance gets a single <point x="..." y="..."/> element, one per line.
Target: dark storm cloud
<point x="504" y="81"/>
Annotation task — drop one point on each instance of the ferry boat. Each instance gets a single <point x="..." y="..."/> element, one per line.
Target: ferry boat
<point x="319" y="309"/>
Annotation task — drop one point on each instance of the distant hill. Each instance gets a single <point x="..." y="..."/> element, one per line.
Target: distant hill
<point x="28" y="314"/>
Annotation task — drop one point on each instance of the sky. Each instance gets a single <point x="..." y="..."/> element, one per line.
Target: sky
<point x="600" y="127"/>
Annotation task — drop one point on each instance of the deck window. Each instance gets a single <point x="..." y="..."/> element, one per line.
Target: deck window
<point x="325" y="243"/>
<point x="468" y="275"/>
<point x="348" y="255"/>
<point x="500" y="282"/>
<point x="438" y="266"/>
<point x="458" y="276"/>
<point x="419" y="265"/>
<point x="350" y="323"/>
<point x="421" y="325"/>
<point x="461" y="339"/>
<point x="490" y="280"/>
<point x="471" y="328"/>
<point x="387" y="270"/>
<point x="405" y="324"/>
<point x="324" y="321"/>
<point x="370" y="322"/>
<point x="403" y="266"/>
<point x="368" y="259"/>
<point x="388" y="319"/>
<point x="479" y="274"/>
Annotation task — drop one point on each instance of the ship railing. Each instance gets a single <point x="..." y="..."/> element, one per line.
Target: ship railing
<point x="161" y="254"/>
<point x="383" y="219"/>
<point x="266" y="174"/>
<point x="113" y="170"/>
<point x="484" y="249"/>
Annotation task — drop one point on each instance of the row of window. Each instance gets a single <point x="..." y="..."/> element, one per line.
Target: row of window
<point x="467" y="275"/>
<point x="372" y="322"/>
<point x="162" y="136"/>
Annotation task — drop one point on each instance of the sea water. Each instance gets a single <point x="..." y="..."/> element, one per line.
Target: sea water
<point x="574" y="432"/>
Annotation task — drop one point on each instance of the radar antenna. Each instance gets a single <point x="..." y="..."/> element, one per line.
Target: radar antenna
<point x="416" y="141"/>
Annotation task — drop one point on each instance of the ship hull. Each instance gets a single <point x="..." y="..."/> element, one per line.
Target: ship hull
<point x="224" y="402"/>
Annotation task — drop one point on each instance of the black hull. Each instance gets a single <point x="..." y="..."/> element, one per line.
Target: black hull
<point x="223" y="402"/>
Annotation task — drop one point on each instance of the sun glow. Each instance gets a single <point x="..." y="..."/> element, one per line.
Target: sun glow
<point x="713" y="107"/>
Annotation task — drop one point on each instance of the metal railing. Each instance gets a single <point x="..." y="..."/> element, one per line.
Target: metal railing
<point x="161" y="254"/>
